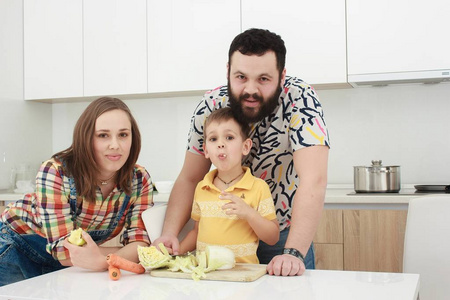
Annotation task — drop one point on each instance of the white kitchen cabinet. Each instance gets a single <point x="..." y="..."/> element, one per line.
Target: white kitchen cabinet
<point x="188" y="43"/>
<point x="115" y="47"/>
<point x="313" y="32"/>
<point x="385" y="36"/>
<point x="53" y="49"/>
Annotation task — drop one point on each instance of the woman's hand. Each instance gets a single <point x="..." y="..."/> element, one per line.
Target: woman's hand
<point x="236" y="206"/>
<point x="87" y="256"/>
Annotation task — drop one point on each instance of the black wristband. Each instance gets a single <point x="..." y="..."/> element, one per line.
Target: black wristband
<point x="294" y="252"/>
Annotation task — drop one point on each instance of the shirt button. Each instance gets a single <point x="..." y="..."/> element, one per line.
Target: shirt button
<point x="3" y="230"/>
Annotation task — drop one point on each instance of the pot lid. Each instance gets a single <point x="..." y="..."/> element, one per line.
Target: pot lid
<point x="377" y="164"/>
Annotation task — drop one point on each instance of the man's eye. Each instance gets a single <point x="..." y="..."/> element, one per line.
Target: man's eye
<point x="241" y="77"/>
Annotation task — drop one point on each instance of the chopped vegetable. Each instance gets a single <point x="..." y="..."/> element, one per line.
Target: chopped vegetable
<point x="124" y="264"/>
<point x="76" y="238"/>
<point x="114" y="273"/>
<point x="152" y="258"/>
<point x="219" y="258"/>
<point x="214" y="258"/>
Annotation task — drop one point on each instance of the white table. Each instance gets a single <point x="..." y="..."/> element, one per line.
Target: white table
<point x="75" y="283"/>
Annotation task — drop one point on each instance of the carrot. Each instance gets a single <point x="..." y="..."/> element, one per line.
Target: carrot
<point x="124" y="264"/>
<point x="114" y="273"/>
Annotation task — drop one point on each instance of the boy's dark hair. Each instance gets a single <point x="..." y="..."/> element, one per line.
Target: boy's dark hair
<point x="257" y="42"/>
<point x="225" y="114"/>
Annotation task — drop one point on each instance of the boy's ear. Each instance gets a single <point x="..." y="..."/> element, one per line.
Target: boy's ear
<point x="205" y="151"/>
<point x="247" y="146"/>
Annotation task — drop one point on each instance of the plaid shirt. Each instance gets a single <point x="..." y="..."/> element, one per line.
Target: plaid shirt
<point x="47" y="211"/>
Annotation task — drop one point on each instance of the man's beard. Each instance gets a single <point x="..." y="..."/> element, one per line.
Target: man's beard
<point x="251" y="114"/>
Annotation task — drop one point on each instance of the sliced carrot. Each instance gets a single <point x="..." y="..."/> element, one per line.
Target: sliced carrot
<point x="124" y="264"/>
<point x="114" y="273"/>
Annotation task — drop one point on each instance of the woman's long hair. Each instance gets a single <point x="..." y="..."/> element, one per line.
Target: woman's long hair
<point x="79" y="157"/>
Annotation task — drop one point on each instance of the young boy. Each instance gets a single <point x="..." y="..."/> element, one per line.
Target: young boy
<point x="232" y="208"/>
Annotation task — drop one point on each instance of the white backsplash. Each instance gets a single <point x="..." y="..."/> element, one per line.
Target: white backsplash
<point x="402" y="125"/>
<point x="25" y="133"/>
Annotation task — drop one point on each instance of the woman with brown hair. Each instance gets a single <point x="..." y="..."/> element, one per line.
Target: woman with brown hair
<point x="96" y="185"/>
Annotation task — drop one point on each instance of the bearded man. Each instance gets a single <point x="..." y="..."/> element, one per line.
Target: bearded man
<point x="289" y="151"/>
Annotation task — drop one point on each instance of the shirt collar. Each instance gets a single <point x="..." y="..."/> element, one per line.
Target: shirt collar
<point x="245" y="183"/>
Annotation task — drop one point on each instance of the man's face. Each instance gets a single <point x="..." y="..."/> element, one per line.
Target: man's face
<point x="254" y="85"/>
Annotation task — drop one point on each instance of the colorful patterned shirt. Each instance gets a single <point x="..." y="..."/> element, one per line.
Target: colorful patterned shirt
<point x="218" y="228"/>
<point x="296" y="123"/>
<point x="47" y="211"/>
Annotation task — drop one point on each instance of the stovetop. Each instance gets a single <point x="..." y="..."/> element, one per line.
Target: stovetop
<point x="402" y="192"/>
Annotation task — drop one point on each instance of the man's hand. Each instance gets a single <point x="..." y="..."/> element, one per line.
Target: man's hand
<point x="285" y="265"/>
<point x="171" y="242"/>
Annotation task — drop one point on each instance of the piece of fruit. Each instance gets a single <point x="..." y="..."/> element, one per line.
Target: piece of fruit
<point x="76" y="238"/>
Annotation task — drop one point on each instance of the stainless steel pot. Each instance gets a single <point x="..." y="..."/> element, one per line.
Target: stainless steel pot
<point x="376" y="178"/>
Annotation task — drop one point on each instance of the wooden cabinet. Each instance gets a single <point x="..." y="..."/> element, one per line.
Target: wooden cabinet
<point x="329" y="241"/>
<point x="314" y="34"/>
<point x="361" y="240"/>
<point x="115" y="47"/>
<point x="373" y="240"/>
<point x="397" y="36"/>
<point x="52" y="49"/>
<point x="188" y="43"/>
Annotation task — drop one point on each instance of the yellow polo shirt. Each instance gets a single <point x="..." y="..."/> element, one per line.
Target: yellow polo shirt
<point x="218" y="228"/>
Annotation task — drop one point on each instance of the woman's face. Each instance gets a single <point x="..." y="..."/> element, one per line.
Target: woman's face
<point x="112" y="141"/>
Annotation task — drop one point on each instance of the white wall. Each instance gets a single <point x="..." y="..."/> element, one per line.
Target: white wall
<point x="164" y="125"/>
<point x="25" y="127"/>
<point x="404" y="125"/>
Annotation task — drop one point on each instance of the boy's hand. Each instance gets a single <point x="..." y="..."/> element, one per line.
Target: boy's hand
<point x="236" y="206"/>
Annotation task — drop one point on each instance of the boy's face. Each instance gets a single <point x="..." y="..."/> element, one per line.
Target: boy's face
<point x="224" y="144"/>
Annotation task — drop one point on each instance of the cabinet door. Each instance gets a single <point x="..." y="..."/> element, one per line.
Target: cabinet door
<point x="115" y="47"/>
<point x="53" y="49"/>
<point x="188" y="43"/>
<point x="373" y="240"/>
<point x="397" y="36"/>
<point x="329" y="241"/>
<point x="314" y="34"/>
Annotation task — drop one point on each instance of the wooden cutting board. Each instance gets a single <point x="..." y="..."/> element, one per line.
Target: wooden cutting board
<point x="241" y="272"/>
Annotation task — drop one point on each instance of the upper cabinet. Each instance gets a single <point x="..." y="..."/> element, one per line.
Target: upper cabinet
<point x="188" y="43"/>
<point x="115" y="47"/>
<point x="53" y="49"/>
<point x="75" y="48"/>
<point x="397" y="39"/>
<point x="314" y="34"/>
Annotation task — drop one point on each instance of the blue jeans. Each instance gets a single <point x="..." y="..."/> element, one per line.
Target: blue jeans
<point x="23" y="256"/>
<point x="265" y="252"/>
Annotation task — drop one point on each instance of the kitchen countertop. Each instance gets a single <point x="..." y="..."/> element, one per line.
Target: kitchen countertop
<point x="76" y="283"/>
<point x="336" y="196"/>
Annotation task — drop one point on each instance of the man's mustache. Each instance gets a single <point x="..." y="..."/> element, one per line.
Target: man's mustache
<point x="254" y="96"/>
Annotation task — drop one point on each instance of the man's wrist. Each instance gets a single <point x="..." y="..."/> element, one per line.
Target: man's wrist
<point x="294" y="252"/>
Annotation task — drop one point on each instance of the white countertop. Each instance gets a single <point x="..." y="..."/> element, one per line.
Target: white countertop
<point x="76" y="283"/>
<point x="336" y="195"/>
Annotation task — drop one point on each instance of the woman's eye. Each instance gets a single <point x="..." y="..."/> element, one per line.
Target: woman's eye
<point x="124" y="134"/>
<point x="102" y="135"/>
